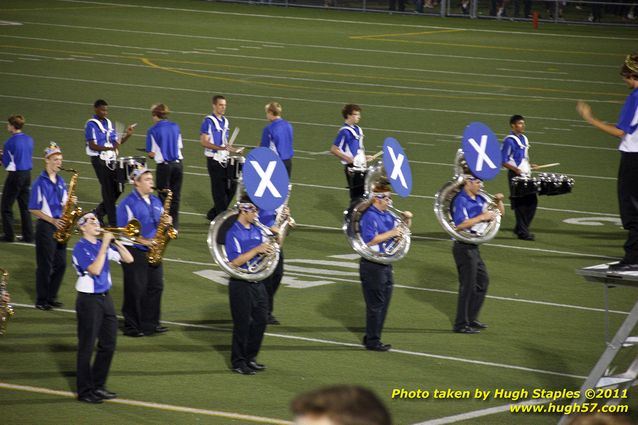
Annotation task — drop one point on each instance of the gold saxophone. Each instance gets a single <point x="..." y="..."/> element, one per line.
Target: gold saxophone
<point x="71" y="212"/>
<point x="164" y="233"/>
<point x="6" y="311"/>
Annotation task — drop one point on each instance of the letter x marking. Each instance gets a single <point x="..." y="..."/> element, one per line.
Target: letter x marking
<point x="482" y="156"/>
<point x="265" y="182"/>
<point x="397" y="161"/>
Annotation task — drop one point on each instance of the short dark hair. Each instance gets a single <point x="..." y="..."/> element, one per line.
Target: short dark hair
<point x="99" y="103"/>
<point x="17" y="121"/>
<point x="516" y="118"/>
<point x="343" y="404"/>
<point x="349" y="109"/>
<point x="160" y="111"/>
<point x="218" y="97"/>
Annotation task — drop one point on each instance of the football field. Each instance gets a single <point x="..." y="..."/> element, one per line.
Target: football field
<point x="420" y="80"/>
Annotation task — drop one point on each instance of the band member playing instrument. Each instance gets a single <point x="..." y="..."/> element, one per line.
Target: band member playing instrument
<point x="277" y="136"/>
<point x="48" y="197"/>
<point x="164" y="145"/>
<point x="515" y="155"/>
<point x="248" y="300"/>
<point x="94" y="308"/>
<point x="470" y="213"/>
<point x="214" y="138"/>
<point x="17" y="159"/>
<point x="102" y="145"/>
<point x="143" y="283"/>
<point x="378" y="228"/>
<point x="348" y="146"/>
<point x="626" y="130"/>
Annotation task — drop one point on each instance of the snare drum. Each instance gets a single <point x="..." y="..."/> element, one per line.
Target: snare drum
<point x="235" y="165"/>
<point x="523" y="186"/>
<point x="125" y="166"/>
<point x="555" y="184"/>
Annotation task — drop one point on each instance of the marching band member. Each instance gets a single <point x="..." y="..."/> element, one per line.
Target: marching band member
<point x="277" y="136"/>
<point x="469" y="211"/>
<point x="248" y="300"/>
<point x="348" y="146"/>
<point x="102" y="145"/>
<point x="17" y="159"/>
<point x="214" y="138"/>
<point x="143" y="283"/>
<point x="514" y="152"/>
<point x="94" y="308"/>
<point x="378" y="227"/>
<point x="625" y="129"/>
<point x="48" y="197"/>
<point x="164" y="145"/>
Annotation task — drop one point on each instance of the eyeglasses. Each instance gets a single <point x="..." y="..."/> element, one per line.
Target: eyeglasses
<point x="248" y="208"/>
<point x="381" y="196"/>
<point x="86" y="218"/>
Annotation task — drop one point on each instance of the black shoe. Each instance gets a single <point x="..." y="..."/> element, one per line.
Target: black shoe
<point x="44" y="307"/>
<point x="243" y="370"/>
<point x="272" y="320"/>
<point x="528" y="237"/>
<point x="104" y="394"/>
<point x="160" y="329"/>
<point x="466" y="330"/>
<point x="478" y="325"/>
<point x="133" y="333"/>
<point x="622" y="267"/>
<point x="256" y="366"/>
<point x="56" y="304"/>
<point x="90" y="398"/>
<point x="379" y="347"/>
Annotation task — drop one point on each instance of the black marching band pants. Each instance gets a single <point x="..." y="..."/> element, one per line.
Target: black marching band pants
<point x="524" y="209"/>
<point x="96" y="322"/>
<point x="16" y="187"/>
<point x="376" y="283"/>
<point x="272" y="283"/>
<point x="169" y="176"/>
<point x="249" y="310"/>
<point x="143" y="286"/>
<point x="50" y="263"/>
<point x="473" y="283"/>
<point x="110" y="190"/>
<point x="222" y="186"/>
<point x="628" y="200"/>
<point x="356" y="182"/>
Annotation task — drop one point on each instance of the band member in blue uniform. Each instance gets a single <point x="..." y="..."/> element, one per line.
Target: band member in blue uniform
<point x="94" y="308"/>
<point x="515" y="156"/>
<point x="143" y="283"/>
<point x="102" y="145"/>
<point x="248" y="300"/>
<point x="348" y="147"/>
<point x="214" y="138"/>
<point x="164" y="145"/>
<point x="626" y="131"/>
<point x="17" y="159"/>
<point x="470" y="213"/>
<point x="378" y="228"/>
<point x="278" y="135"/>
<point x="48" y="197"/>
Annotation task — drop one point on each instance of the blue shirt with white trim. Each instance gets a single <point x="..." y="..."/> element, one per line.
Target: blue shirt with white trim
<point x="240" y="240"/>
<point x="17" y="153"/>
<point x="464" y="207"/>
<point x="165" y="140"/>
<point x="47" y="196"/>
<point x="217" y="130"/>
<point x="349" y="140"/>
<point x="146" y="212"/>
<point x="628" y="122"/>
<point x="514" y="149"/>
<point x="101" y="132"/>
<point x="277" y="136"/>
<point x="374" y="222"/>
<point x="84" y="254"/>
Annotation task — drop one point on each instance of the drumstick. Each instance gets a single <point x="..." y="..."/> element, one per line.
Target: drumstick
<point x="376" y="155"/>
<point x="553" y="164"/>
<point x="233" y="136"/>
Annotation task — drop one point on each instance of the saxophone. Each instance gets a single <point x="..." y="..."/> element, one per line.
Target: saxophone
<point x="71" y="212"/>
<point x="6" y="311"/>
<point x="164" y="233"/>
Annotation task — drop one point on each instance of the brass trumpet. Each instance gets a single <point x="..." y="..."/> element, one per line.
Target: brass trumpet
<point x="130" y="231"/>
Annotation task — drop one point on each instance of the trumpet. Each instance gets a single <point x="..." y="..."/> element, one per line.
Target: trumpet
<point x="131" y="231"/>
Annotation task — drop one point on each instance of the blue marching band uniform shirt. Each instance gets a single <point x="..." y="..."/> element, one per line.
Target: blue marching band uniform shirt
<point x="47" y="196"/>
<point x="628" y="122"/>
<point x="350" y="141"/>
<point x="217" y="130"/>
<point x="240" y="240"/>
<point x="277" y="136"/>
<point x="515" y="151"/>
<point x="464" y="207"/>
<point x="18" y="153"/>
<point x="84" y="254"/>
<point x="100" y="131"/>
<point x="165" y="140"/>
<point x="374" y="222"/>
<point x="148" y="214"/>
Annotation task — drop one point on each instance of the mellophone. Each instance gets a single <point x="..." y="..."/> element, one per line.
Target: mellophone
<point x="549" y="184"/>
